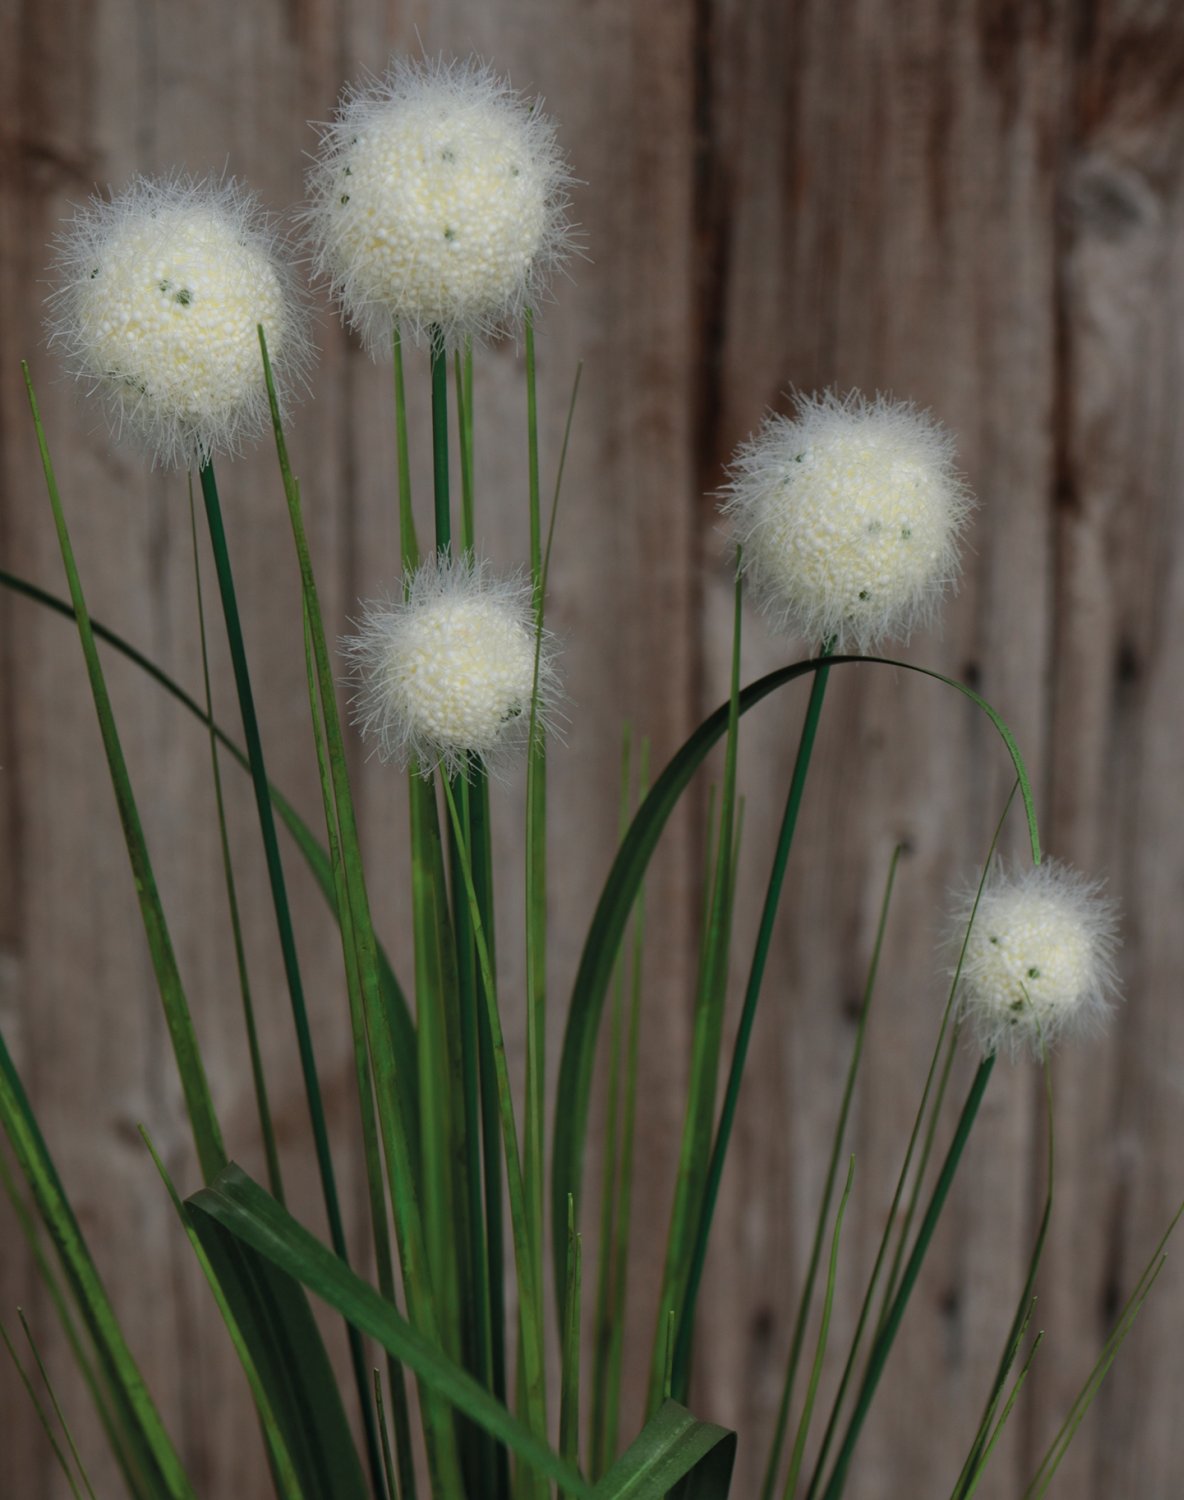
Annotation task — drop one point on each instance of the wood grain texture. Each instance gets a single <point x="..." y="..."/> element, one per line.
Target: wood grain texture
<point x="980" y="207"/>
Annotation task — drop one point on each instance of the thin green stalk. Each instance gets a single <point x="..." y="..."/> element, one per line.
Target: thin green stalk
<point x="807" y="1294"/>
<point x="357" y="1014"/>
<point x="610" y="1168"/>
<point x="903" y="1176"/>
<point x="1126" y="1318"/>
<point x="463" y="372"/>
<point x="756" y="976"/>
<point x="887" y="1335"/>
<point x="408" y="545"/>
<point x="528" y="1267"/>
<point x="439" y="370"/>
<point x="53" y="1396"/>
<point x="275" y="872"/>
<point x="971" y="1482"/>
<point x="681" y="1280"/>
<point x="1026" y="1300"/>
<point x="392" y="1091"/>
<point x="534" y="1120"/>
<point x="388" y="1468"/>
<point x="569" y="1390"/>
<point x="199" y="1105"/>
<point x="799" y="1447"/>
<point x="42" y="1415"/>
<point x="275" y="1179"/>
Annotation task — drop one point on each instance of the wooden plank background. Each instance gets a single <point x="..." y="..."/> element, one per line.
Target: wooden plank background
<point x="977" y="205"/>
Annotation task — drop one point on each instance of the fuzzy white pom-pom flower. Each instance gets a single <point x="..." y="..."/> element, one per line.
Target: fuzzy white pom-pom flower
<point x="848" y="518"/>
<point x="446" y="672"/>
<point x="160" y="291"/>
<point x="1039" y="960"/>
<point x="438" y="200"/>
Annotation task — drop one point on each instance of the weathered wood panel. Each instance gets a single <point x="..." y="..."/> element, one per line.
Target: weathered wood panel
<point x="979" y="207"/>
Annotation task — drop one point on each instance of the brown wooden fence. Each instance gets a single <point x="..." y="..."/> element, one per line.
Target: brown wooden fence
<point x="976" y="205"/>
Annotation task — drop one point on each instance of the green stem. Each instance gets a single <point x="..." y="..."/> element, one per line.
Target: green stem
<point x="793" y="802"/>
<point x="887" y="1334"/>
<point x="275" y="1179"/>
<point x="439" y="364"/>
<point x="275" y="871"/>
<point x="408" y="545"/>
<point x="807" y="1296"/>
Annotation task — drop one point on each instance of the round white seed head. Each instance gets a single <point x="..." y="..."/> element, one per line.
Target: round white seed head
<point x="160" y="291"/>
<point x="1039" y="959"/>
<point x="438" y="200"/>
<point x="446" y="673"/>
<point x="848" y="518"/>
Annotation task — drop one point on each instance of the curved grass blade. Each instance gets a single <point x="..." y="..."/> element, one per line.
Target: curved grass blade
<point x="395" y="1002"/>
<point x="248" y="1214"/>
<point x="971" y="1481"/>
<point x="276" y="1324"/>
<point x="57" y="1406"/>
<point x="807" y="1295"/>
<point x="207" y="1135"/>
<point x="608" y="923"/>
<point x="283" y="1470"/>
<point x="674" y="1455"/>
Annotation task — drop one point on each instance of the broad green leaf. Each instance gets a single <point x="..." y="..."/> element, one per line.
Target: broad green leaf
<point x="674" y="1455"/>
<point x="251" y="1216"/>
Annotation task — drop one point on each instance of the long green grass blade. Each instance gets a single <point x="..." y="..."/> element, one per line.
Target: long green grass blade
<point x="57" y="1406"/>
<point x="287" y="1480"/>
<point x="145" y="1446"/>
<point x="206" y="1133"/>
<point x="253" y="1218"/>
<point x="797" y="1338"/>
<point x="393" y="999"/>
<point x="259" y="1081"/>
<point x="674" y="1455"/>
<point x="799" y="1447"/>
<point x="887" y="1334"/>
<point x="408" y="545"/>
<point x="608" y="923"/>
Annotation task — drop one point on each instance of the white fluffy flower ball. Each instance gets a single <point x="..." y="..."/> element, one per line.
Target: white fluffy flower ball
<point x="438" y="200"/>
<point x="848" y="518"/>
<point x="1039" y="959"/>
<point x="160" y="291"/>
<point x="446" y="672"/>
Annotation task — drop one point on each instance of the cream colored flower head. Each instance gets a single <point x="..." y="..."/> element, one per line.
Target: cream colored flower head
<point x="160" y="291"/>
<point x="1039" y="959"/>
<point x="848" y="518"/>
<point x="438" y="200"/>
<point x="446" y="672"/>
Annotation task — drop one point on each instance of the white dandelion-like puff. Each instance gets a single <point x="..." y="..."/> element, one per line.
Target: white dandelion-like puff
<point x="446" y="673"/>
<point x="160" y="292"/>
<point x="438" y="201"/>
<point x="848" y="518"/>
<point x="1039" y="958"/>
